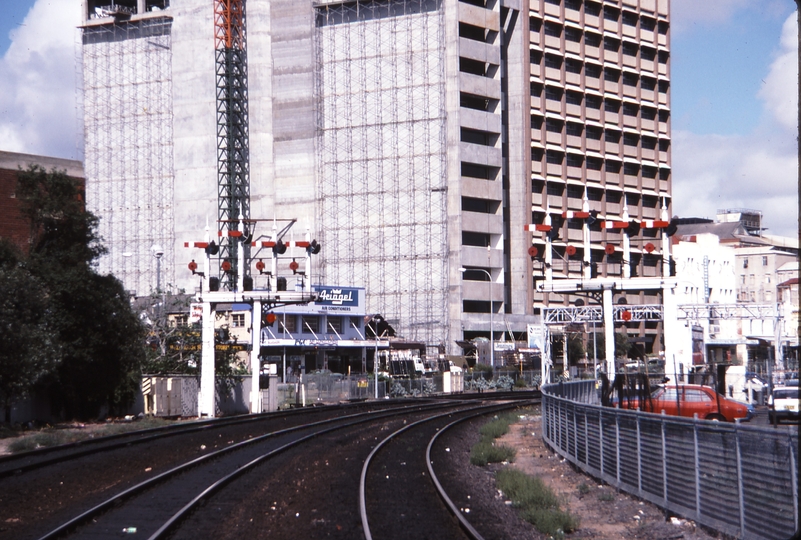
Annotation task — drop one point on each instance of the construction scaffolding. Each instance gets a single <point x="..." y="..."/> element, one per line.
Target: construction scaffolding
<point x="380" y="85"/>
<point x="128" y="159"/>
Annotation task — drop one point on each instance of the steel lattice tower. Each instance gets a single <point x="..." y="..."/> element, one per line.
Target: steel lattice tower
<point x="233" y="169"/>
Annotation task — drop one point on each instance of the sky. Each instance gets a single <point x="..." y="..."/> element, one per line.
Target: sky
<point x="734" y="99"/>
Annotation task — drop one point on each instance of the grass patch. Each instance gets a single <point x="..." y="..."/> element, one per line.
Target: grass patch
<point x="486" y="451"/>
<point x="499" y="426"/>
<point x="55" y="437"/>
<point x="537" y="503"/>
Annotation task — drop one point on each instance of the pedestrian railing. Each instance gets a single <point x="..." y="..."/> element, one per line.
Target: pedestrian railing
<point x="737" y="479"/>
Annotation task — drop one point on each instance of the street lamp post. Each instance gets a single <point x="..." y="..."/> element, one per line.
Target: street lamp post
<point x="492" y="329"/>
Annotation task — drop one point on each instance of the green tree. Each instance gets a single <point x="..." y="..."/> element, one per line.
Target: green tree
<point x="27" y="348"/>
<point x="98" y="335"/>
<point x="622" y="345"/>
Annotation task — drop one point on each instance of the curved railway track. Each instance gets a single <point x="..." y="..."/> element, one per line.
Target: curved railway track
<point x="249" y="484"/>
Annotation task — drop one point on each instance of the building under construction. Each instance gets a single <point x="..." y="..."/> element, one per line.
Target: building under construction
<point x="417" y="140"/>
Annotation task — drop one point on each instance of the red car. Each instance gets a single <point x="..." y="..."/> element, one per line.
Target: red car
<point x="689" y="400"/>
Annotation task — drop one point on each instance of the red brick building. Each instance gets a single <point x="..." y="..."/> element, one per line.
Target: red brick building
<point x="12" y="226"/>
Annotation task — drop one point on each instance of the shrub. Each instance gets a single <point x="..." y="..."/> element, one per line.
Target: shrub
<point x="498" y="427"/>
<point x="520" y="383"/>
<point x="538" y="504"/>
<point x="486" y="451"/>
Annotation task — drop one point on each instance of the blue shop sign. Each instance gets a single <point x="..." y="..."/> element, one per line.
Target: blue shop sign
<point x="337" y="296"/>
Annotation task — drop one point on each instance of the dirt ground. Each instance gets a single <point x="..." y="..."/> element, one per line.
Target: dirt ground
<point x="605" y="513"/>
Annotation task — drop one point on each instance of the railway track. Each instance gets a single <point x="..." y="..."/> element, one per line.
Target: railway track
<point x="296" y="478"/>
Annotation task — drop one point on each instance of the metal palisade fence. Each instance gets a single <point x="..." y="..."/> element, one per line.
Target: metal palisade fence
<point x="737" y="479"/>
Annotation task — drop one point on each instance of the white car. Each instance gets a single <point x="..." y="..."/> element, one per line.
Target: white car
<point x="784" y="404"/>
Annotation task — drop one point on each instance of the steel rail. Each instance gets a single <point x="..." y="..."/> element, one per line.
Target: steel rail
<point x="149" y="483"/>
<point x="97" y="445"/>
<point x="466" y="525"/>
<point x="363" y="479"/>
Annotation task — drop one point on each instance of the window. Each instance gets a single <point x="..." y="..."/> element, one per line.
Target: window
<point x="613" y="167"/>
<point x="611" y="136"/>
<point x="594" y="132"/>
<point x="745" y="262"/>
<point x="553" y="29"/>
<point x="631" y="139"/>
<point x="647" y="53"/>
<point x="629" y="49"/>
<point x="591" y="8"/>
<point x="633" y="199"/>
<point x="572" y="34"/>
<point x="664" y="145"/>
<point x="611" y="14"/>
<point x="663" y="57"/>
<point x="594" y="194"/>
<point x="288" y="321"/>
<point x="611" y="75"/>
<point x="611" y="44"/>
<point x="534" y="24"/>
<point x="554" y="93"/>
<point x="649" y="143"/>
<point x="594" y="164"/>
<point x="574" y="160"/>
<point x="238" y="320"/>
<point x="554" y="157"/>
<point x="572" y="65"/>
<point x="664" y="115"/>
<point x="631" y="169"/>
<point x="356" y="322"/>
<point x="556" y="189"/>
<point x="663" y="86"/>
<point x="553" y="125"/>
<point x="573" y="98"/>
<point x="648" y="24"/>
<point x="593" y="71"/>
<point x="574" y="129"/>
<point x="649" y="172"/>
<point x="593" y="102"/>
<point x="573" y="4"/>
<point x="663" y="27"/>
<point x="696" y="395"/>
<point x="765" y="260"/>
<point x="334" y="324"/>
<point x="535" y="89"/>
<point x="534" y="56"/>
<point x="553" y="61"/>
<point x="630" y="109"/>
<point x="648" y="113"/>
<point x="475" y="239"/>
<point x="629" y="18"/>
<point x="612" y="106"/>
<point x="647" y="83"/>
<point x="629" y="79"/>
<point x="575" y="192"/>
<point x="181" y="320"/>
<point x="311" y="323"/>
<point x="592" y="40"/>
<point x="483" y="206"/>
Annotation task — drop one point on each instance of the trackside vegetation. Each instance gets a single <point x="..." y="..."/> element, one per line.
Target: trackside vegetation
<point x="486" y="451"/>
<point x="535" y="501"/>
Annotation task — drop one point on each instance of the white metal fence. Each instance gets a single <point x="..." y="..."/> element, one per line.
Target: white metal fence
<point x="738" y="479"/>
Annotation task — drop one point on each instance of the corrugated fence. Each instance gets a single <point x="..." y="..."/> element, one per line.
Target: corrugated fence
<point x="738" y="479"/>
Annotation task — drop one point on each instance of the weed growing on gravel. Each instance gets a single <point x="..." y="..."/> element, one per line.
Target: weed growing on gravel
<point x="498" y="427"/>
<point x="65" y="436"/>
<point x="583" y="489"/>
<point x="486" y="451"/>
<point x="606" y="496"/>
<point x="538" y="504"/>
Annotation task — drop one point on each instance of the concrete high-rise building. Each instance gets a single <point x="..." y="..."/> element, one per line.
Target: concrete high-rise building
<point x="415" y="139"/>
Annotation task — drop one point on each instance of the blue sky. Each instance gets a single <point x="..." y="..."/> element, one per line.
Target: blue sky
<point x="733" y="99"/>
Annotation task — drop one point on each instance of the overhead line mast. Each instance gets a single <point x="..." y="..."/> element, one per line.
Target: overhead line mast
<point x="233" y="154"/>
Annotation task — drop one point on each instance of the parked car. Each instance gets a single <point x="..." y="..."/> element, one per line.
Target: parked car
<point x="689" y="400"/>
<point x="784" y="404"/>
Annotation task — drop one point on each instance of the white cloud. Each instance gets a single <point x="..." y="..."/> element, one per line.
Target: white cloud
<point x="758" y="170"/>
<point x="780" y="87"/>
<point x="686" y="14"/>
<point x="38" y="112"/>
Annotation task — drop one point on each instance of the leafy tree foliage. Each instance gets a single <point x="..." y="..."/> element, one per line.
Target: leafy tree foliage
<point x="27" y="350"/>
<point x="96" y="352"/>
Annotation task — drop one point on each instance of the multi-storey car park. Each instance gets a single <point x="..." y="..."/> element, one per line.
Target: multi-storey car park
<point x="415" y="139"/>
